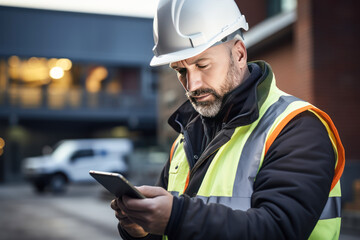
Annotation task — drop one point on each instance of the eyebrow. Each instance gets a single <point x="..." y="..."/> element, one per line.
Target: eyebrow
<point x="199" y="60"/>
<point x="194" y="62"/>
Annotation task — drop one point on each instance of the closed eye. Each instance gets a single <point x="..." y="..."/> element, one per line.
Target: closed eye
<point x="201" y="66"/>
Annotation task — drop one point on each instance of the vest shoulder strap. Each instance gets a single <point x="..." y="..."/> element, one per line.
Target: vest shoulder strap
<point x="333" y="134"/>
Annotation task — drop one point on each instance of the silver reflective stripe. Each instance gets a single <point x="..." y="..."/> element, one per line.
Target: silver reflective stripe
<point x="251" y="154"/>
<point x="332" y="208"/>
<point x="236" y="203"/>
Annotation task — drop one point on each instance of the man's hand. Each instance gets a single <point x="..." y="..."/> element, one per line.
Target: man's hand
<point x="129" y="226"/>
<point x="152" y="213"/>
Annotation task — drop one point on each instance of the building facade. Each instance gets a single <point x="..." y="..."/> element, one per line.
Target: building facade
<point x="72" y="75"/>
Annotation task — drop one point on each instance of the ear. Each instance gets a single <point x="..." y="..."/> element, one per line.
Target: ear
<point x="240" y="54"/>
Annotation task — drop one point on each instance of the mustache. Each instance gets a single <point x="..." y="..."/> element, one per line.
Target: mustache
<point x="200" y="92"/>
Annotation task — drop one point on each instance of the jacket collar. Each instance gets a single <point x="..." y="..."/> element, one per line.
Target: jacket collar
<point x="238" y="115"/>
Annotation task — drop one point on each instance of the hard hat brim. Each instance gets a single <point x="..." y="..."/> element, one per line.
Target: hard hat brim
<point x="178" y="56"/>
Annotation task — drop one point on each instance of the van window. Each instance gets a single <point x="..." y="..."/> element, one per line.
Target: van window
<point x="81" y="154"/>
<point x="63" y="149"/>
<point x="101" y="152"/>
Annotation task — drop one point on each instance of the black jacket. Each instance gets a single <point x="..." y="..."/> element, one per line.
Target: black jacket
<point x="290" y="190"/>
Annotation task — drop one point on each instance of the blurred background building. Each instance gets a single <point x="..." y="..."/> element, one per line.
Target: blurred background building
<point x="66" y="75"/>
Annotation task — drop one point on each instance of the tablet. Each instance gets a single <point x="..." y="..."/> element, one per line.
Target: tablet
<point x="117" y="184"/>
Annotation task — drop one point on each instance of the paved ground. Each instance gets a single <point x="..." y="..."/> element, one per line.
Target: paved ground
<point x="83" y="213"/>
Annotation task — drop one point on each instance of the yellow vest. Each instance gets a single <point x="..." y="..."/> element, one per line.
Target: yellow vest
<point x="231" y="182"/>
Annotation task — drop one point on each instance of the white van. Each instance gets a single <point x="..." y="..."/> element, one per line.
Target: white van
<point x="71" y="161"/>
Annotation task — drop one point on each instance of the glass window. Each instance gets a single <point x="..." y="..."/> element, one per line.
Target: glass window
<point x="63" y="84"/>
<point x="84" y="153"/>
<point x="275" y="7"/>
<point x="287" y="5"/>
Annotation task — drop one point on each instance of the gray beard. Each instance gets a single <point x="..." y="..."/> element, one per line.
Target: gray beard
<point x="212" y="108"/>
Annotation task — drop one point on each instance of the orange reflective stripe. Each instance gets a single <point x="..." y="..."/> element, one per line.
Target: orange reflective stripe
<point x="187" y="181"/>
<point x="281" y="125"/>
<point x="172" y="150"/>
<point x="340" y="149"/>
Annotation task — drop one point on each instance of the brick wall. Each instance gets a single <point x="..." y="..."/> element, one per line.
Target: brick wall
<point x="254" y="10"/>
<point x="336" y="71"/>
<point x="282" y="59"/>
<point x="303" y="40"/>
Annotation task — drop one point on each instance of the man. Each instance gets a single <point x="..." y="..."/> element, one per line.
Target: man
<point x="250" y="162"/>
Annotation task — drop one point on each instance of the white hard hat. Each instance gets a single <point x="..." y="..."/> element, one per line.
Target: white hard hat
<point x="185" y="28"/>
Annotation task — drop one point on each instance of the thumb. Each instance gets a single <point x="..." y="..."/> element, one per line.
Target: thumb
<point x="152" y="192"/>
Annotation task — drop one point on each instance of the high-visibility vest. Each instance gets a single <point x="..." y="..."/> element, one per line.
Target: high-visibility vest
<point x="230" y="177"/>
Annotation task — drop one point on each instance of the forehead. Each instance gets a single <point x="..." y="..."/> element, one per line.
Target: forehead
<point x="209" y="54"/>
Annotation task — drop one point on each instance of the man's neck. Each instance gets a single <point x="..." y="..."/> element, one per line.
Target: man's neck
<point x="246" y="74"/>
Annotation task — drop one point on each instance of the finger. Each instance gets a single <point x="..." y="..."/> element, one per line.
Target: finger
<point x="143" y="205"/>
<point x="114" y="205"/>
<point x="131" y="210"/>
<point x="136" y="218"/>
<point x="120" y="213"/>
<point x="122" y="206"/>
<point x="129" y="218"/>
<point x="125" y="223"/>
<point x="130" y="205"/>
<point x="120" y="216"/>
<point x="151" y="192"/>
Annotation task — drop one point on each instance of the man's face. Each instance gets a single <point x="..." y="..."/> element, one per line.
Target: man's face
<point x="207" y="77"/>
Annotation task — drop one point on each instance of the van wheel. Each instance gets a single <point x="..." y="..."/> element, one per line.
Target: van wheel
<point x="39" y="187"/>
<point x="58" y="183"/>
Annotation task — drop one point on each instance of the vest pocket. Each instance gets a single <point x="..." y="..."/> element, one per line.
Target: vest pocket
<point x="174" y="167"/>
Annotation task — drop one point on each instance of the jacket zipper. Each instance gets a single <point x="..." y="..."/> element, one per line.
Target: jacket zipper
<point x="188" y="148"/>
<point x="199" y="163"/>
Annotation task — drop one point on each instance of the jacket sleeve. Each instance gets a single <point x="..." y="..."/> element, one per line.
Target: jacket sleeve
<point x="290" y="192"/>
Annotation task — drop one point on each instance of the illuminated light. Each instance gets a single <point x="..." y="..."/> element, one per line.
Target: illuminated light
<point x="93" y="81"/>
<point x="52" y="62"/>
<point x="33" y="60"/>
<point x="14" y="61"/>
<point x="1" y="151"/>
<point x="100" y="73"/>
<point x="64" y="63"/>
<point x="2" y="143"/>
<point x="120" y="131"/>
<point x="56" y="73"/>
<point x="34" y="71"/>
<point x="93" y="86"/>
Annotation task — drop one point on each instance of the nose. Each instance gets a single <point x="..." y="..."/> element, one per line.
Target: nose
<point x="193" y="80"/>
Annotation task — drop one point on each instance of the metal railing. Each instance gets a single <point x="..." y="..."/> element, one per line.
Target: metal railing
<point x="75" y="104"/>
<point x="35" y="98"/>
